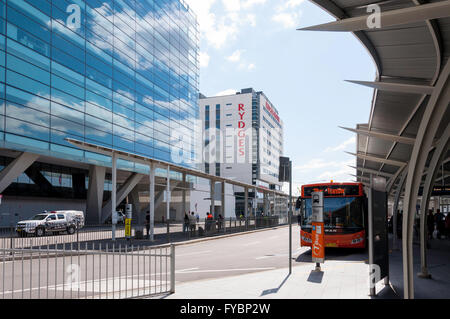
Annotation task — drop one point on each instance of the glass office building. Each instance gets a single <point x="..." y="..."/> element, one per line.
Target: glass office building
<point x="118" y="73"/>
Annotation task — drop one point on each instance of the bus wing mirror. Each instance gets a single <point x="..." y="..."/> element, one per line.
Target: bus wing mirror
<point x="298" y="204"/>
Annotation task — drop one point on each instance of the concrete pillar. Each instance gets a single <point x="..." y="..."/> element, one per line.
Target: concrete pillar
<point x="15" y="169"/>
<point x="223" y="199"/>
<point x="246" y="202"/>
<point x="255" y="205"/>
<point x="213" y="195"/>
<point x="183" y="204"/>
<point x="168" y="194"/>
<point x="152" y="200"/>
<point x="114" y="185"/>
<point x="96" y="188"/>
<point x="265" y="204"/>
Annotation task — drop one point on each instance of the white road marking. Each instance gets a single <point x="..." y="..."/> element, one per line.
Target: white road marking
<point x="183" y="270"/>
<point x="225" y="270"/>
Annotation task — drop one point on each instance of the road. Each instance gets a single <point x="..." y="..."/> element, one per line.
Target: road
<point x="211" y="259"/>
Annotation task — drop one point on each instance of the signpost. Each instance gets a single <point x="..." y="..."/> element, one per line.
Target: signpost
<point x="378" y="235"/>
<point x="129" y="215"/>
<point x="318" y="230"/>
<point x="285" y="175"/>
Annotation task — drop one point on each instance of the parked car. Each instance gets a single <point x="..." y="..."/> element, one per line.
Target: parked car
<point x="120" y="218"/>
<point x="51" y="222"/>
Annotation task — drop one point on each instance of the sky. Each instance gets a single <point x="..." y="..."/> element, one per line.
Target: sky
<point x="254" y="43"/>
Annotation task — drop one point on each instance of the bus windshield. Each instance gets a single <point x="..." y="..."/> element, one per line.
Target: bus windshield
<point x="338" y="212"/>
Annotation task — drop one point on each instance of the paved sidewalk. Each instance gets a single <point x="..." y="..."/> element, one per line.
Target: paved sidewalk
<point x="338" y="280"/>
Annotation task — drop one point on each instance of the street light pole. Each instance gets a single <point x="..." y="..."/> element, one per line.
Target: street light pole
<point x="290" y="217"/>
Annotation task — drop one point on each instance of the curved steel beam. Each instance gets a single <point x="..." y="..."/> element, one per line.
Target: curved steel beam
<point x="437" y="40"/>
<point x="396" y="201"/>
<point x="431" y="119"/>
<point x="438" y="157"/>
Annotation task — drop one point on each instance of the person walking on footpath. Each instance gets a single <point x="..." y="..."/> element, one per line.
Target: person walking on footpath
<point x="147" y="223"/>
<point x="447" y="225"/>
<point x="192" y="224"/>
<point x="220" y="222"/>
<point x="186" y="222"/>
<point x="440" y="223"/>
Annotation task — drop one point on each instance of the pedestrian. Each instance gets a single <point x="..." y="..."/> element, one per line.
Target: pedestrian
<point x="220" y="222"/>
<point x="147" y="223"/>
<point x="197" y="216"/>
<point x="192" y="224"/>
<point x="440" y="223"/>
<point x="430" y="223"/>
<point x="208" y="221"/>
<point x="447" y="225"/>
<point x="186" y="222"/>
<point x="299" y="219"/>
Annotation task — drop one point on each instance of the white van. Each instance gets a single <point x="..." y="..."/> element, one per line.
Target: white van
<point x="52" y="222"/>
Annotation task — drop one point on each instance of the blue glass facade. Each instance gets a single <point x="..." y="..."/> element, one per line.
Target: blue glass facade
<point x="126" y="77"/>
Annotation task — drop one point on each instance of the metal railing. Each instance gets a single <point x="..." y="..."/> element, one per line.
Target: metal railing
<point x="214" y="227"/>
<point x="106" y="272"/>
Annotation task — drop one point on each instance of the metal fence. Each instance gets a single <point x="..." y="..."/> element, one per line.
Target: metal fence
<point x="103" y="272"/>
<point x="214" y="227"/>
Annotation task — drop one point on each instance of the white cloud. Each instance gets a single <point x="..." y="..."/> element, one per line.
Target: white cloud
<point x="221" y="29"/>
<point x="250" y="3"/>
<point x="287" y="14"/>
<point x="204" y="59"/>
<point x="232" y="5"/>
<point x="251" y="66"/>
<point x="236" y="56"/>
<point x="226" y="92"/>
<point x="350" y="142"/>
<point x="251" y="19"/>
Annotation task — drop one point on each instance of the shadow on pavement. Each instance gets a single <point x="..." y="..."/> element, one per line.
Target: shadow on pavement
<point x="342" y="254"/>
<point x="275" y="290"/>
<point x="315" y="276"/>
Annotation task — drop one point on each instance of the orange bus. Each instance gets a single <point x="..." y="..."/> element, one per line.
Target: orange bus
<point x="344" y="213"/>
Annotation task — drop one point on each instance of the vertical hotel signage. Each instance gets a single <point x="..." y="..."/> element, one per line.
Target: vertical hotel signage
<point x="241" y="131"/>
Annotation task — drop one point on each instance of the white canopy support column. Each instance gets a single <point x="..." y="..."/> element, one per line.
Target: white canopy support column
<point x="431" y="120"/>
<point x="183" y="207"/>
<point x="168" y="194"/>
<point x="255" y="204"/>
<point x="223" y="209"/>
<point x="433" y="169"/>
<point x="398" y="194"/>
<point x="246" y="202"/>
<point x="113" y="191"/>
<point x="212" y="184"/>
<point x="152" y="200"/>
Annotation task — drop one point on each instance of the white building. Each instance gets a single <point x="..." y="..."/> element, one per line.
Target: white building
<point x="243" y="140"/>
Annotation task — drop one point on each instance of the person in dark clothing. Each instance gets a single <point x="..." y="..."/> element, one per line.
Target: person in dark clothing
<point x="186" y="223"/>
<point x="299" y="219"/>
<point x="430" y="223"/>
<point x="440" y="223"/>
<point x="147" y="223"/>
